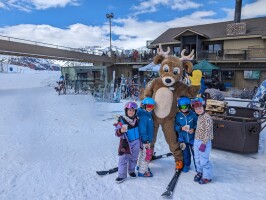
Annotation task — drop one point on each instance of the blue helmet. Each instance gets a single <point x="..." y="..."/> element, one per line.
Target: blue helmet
<point x="183" y="101"/>
<point x="148" y="100"/>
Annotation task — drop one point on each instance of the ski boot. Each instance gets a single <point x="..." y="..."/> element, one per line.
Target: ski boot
<point x="186" y="168"/>
<point x="146" y="174"/>
<point x="204" y="181"/>
<point x="132" y="175"/>
<point x="179" y="165"/>
<point x="119" y="180"/>
<point x="197" y="177"/>
<point x="137" y="168"/>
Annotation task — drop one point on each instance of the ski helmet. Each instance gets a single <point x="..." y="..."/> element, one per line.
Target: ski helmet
<point x="183" y="103"/>
<point x="197" y="102"/>
<point x="148" y="102"/>
<point x="131" y="105"/>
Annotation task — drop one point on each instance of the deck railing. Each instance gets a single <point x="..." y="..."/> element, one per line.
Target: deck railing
<point x="233" y="54"/>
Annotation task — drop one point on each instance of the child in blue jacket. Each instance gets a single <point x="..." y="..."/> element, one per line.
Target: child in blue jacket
<point x="185" y="125"/>
<point x="144" y="114"/>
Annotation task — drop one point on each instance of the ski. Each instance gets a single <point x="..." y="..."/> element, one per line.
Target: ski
<point x="114" y="170"/>
<point x="110" y="171"/>
<point x="154" y="157"/>
<point x="171" y="186"/>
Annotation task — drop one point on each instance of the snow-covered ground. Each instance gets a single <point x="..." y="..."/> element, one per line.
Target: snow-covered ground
<point x="52" y="145"/>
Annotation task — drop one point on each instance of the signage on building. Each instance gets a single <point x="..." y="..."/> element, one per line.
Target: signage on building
<point x="236" y="29"/>
<point x="252" y="74"/>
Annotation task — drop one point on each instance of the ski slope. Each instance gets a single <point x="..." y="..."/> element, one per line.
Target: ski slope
<point x="52" y="145"/>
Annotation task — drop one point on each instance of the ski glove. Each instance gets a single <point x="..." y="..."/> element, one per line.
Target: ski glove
<point x="149" y="153"/>
<point x="182" y="146"/>
<point x="202" y="147"/>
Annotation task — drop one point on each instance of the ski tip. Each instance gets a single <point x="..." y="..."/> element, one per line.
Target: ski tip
<point x="101" y="173"/>
<point x="167" y="194"/>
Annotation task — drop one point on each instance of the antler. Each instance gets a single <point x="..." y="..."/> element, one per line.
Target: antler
<point x="161" y="52"/>
<point x="189" y="57"/>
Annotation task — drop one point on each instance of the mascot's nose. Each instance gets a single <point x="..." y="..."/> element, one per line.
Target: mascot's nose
<point x="168" y="80"/>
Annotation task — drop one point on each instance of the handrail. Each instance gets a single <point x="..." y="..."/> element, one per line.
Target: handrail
<point x="47" y="44"/>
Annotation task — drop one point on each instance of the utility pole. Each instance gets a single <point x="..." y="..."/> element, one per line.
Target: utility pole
<point x="110" y="16"/>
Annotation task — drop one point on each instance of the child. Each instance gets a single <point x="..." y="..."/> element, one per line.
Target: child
<point x="144" y="114"/>
<point x="202" y="142"/>
<point x="185" y="125"/>
<point x="127" y="130"/>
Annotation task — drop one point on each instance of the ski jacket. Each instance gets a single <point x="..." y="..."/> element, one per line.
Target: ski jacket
<point x="182" y="120"/>
<point x="125" y="138"/>
<point x="204" y="131"/>
<point x="145" y="125"/>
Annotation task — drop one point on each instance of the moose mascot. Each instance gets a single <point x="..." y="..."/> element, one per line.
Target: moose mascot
<point x="166" y="89"/>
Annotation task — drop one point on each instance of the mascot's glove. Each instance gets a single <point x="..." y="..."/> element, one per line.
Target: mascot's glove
<point x="182" y="146"/>
<point x="196" y="77"/>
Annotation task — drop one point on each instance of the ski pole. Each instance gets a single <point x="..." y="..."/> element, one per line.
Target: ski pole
<point x="192" y="152"/>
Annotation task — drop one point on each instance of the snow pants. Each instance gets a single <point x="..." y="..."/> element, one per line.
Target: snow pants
<point x="203" y="164"/>
<point x="128" y="162"/>
<point x="142" y="163"/>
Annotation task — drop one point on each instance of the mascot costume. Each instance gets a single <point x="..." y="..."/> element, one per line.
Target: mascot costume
<point x="165" y="90"/>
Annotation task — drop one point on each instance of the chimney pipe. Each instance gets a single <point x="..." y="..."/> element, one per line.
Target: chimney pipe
<point x="238" y="7"/>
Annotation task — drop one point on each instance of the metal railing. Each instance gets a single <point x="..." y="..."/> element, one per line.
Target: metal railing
<point x="227" y="54"/>
<point x="232" y="54"/>
<point x="31" y="42"/>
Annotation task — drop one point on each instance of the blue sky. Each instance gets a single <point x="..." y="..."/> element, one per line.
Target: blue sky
<point x="79" y="23"/>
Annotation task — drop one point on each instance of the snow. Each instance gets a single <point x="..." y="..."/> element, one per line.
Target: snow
<point x="52" y="145"/>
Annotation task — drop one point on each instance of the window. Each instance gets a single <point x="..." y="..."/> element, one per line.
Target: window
<point x="213" y="48"/>
<point x="228" y="75"/>
<point x="176" y="51"/>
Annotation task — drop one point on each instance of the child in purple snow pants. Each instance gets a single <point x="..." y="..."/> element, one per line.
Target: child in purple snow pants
<point x="128" y="151"/>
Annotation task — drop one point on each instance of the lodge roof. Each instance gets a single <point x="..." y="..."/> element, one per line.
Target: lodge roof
<point x="255" y="26"/>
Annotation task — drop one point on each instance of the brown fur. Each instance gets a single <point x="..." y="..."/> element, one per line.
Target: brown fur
<point x="165" y="90"/>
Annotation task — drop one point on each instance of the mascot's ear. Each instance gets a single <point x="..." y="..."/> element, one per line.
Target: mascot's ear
<point x="158" y="59"/>
<point x="188" y="66"/>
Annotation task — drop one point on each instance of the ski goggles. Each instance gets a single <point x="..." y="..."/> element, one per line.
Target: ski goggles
<point x="198" y="102"/>
<point x="184" y="107"/>
<point x="132" y="105"/>
<point x="150" y="106"/>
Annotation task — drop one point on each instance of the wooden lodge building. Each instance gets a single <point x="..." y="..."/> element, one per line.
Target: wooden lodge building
<point x="239" y="49"/>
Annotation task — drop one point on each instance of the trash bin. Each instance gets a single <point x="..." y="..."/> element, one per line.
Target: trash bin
<point x="236" y="134"/>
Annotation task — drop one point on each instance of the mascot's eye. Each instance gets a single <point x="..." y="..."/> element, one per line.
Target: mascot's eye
<point x="176" y="70"/>
<point x="166" y="68"/>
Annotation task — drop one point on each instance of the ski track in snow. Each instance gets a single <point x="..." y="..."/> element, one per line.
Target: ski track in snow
<point x="51" y="147"/>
